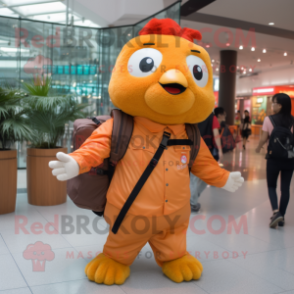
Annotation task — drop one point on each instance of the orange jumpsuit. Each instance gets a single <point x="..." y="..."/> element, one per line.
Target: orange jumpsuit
<point x="160" y="213"/>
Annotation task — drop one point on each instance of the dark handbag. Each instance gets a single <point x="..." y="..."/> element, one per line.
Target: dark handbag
<point x="227" y="140"/>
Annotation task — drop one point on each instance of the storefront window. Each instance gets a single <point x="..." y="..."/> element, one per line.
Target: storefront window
<point x="259" y="109"/>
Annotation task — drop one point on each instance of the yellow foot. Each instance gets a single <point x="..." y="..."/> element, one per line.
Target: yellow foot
<point x="104" y="270"/>
<point x="185" y="268"/>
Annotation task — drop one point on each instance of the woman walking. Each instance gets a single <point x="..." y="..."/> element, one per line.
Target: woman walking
<point x="246" y="128"/>
<point x="281" y="107"/>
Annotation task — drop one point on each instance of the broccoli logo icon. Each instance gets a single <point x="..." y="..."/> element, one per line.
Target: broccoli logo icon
<point x="39" y="253"/>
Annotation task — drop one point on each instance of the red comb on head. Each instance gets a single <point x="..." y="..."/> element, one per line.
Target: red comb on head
<point x="168" y="26"/>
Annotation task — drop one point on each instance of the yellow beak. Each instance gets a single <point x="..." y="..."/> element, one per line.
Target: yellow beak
<point x="173" y="76"/>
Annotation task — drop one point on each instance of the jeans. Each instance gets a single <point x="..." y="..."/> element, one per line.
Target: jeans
<point x="273" y="168"/>
<point x="197" y="186"/>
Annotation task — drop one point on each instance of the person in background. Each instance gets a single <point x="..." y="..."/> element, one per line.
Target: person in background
<point x="281" y="107"/>
<point x="220" y="114"/>
<point x="238" y="122"/>
<point x="246" y="128"/>
<point x="209" y="130"/>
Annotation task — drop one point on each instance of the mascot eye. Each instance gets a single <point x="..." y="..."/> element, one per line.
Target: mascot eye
<point x="197" y="72"/>
<point x="144" y="62"/>
<point x="198" y="69"/>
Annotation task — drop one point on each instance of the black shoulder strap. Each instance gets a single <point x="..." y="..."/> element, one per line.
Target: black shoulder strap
<point x="147" y="172"/>
<point x="272" y="121"/>
<point x="141" y="182"/>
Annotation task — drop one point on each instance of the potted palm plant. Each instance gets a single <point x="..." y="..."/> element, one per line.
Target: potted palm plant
<point x="13" y="127"/>
<point x="48" y="116"/>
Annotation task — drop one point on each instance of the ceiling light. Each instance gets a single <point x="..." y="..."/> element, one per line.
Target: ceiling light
<point x="271" y="24"/>
<point x="13" y="50"/>
<point x="258" y="60"/>
<point x="242" y="67"/>
<point x="217" y="69"/>
<point x="252" y="49"/>
<point x="228" y="44"/>
<point x="212" y="60"/>
<point x="285" y="54"/>
<point x="250" y="69"/>
<point x="207" y="46"/>
<point x="241" y="47"/>
<point x="264" y="51"/>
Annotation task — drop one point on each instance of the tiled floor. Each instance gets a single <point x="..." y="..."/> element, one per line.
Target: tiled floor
<point x="251" y="259"/>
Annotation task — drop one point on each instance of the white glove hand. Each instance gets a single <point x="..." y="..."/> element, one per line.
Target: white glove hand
<point x="65" y="168"/>
<point x="234" y="182"/>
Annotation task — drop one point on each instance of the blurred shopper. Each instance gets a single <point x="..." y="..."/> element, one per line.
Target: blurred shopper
<point x="220" y="114"/>
<point x="246" y="128"/>
<point x="278" y="128"/>
<point x="238" y="123"/>
<point x="209" y="130"/>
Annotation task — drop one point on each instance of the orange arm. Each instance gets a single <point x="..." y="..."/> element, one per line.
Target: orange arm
<point x="207" y="169"/>
<point x="95" y="149"/>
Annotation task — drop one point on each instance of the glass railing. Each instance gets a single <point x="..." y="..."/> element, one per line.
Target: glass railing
<point x="79" y="59"/>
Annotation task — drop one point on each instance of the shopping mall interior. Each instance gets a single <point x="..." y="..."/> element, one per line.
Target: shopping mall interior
<point x="65" y="62"/>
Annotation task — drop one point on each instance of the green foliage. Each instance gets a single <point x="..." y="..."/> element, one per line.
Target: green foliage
<point x="39" y="87"/>
<point x="49" y="113"/>
<point x="14" y="125"/>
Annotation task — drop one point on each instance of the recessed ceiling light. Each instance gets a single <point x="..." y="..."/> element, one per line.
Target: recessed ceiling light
<point x="285" y="54"/>
<point x="241" y="47"/>
<point x="258" y="60"/>
<point x="264" y="51"/>
<point x="252" y="49"/>
<point x="271" y="23"/>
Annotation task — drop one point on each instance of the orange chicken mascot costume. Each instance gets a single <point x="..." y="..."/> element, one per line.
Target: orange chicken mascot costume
<point x="163" y="80"/>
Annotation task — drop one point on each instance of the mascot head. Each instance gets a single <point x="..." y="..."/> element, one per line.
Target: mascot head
<point x="163" y="76"/>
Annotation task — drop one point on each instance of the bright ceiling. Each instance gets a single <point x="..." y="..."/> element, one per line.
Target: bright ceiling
<point x="43" y="10"/>
<point x="121" y="12"/>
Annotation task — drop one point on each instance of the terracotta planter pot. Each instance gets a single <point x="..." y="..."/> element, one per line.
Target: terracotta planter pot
<point x="42" y="187"/>
<point x="8" y="180"/>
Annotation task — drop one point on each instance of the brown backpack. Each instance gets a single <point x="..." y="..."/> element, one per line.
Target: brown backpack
<point x="89" y="190"/>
